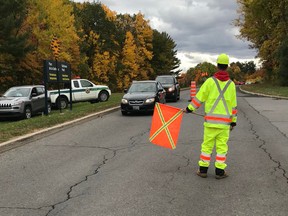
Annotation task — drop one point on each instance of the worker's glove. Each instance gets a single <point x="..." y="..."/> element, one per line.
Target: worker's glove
<point x="187" y="110"/>
<point x="232" y="125"/>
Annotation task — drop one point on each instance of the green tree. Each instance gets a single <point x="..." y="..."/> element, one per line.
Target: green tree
<point x="283" y="60"/>
<point x="13" y="41"/>
<point x="164" y="59"/>
<point x="246" y="67"/>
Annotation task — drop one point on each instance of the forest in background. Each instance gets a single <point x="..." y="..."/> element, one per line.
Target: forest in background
<point x="114" y="49"/>
<point x="99" y="44"/>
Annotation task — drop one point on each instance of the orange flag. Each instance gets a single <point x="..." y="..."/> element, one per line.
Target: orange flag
<point x="165" y="127"/>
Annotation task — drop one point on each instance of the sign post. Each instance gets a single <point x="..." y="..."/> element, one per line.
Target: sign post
<point x="56" y="72"/>
<point x="55" y="46"/>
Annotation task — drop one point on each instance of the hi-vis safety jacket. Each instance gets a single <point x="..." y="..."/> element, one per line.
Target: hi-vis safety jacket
<point x="220" y="102"/>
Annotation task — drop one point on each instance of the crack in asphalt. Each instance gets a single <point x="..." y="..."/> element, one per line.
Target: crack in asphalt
<point x="25" y="208"/>
<point x="168" y="182"/>
<point x="68" y="194"/>
<point x="132" y="143"/>
<point x="262" y="146"/>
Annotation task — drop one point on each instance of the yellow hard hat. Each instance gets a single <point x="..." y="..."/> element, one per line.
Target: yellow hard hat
<point x="223" y="59"/>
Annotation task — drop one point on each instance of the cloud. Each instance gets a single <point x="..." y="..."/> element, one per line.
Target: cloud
<point x="202" y="29"/>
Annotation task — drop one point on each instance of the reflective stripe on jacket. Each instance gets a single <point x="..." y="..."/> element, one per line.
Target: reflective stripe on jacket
<point x="220" y="102"/>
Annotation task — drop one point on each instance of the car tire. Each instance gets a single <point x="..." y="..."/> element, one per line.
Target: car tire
<point x="62" y="103"/>
<point x="27" y="112"/>
<point x="103" y="96"/>
<point x="124" y="113"/>
<point x="175" y="98"/>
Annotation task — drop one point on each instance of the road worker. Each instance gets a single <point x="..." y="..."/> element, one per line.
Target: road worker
<point x="219" y="95"/>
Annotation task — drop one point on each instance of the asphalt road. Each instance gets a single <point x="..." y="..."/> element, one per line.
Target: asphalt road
<point x="107" y="167"/>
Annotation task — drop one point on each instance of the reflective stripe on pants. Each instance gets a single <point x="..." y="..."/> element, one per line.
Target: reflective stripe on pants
<point x="219" y="137"/>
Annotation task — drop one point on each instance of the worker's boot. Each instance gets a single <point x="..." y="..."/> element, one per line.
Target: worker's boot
<point x="202" y="172"/>
<point x="220" y="173"/>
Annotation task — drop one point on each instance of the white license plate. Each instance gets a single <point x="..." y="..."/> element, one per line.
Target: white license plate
<point x="136" y="107"/>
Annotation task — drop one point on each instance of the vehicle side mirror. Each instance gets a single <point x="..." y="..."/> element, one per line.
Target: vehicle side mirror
<point x="125" y="90"/>
<point x="34" y="94"/>
<point x="160" y="90"/>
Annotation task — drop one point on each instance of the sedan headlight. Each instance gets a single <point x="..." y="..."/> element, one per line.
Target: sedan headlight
<point x="149" y="100"/>
<point x="171" y="89"/>
<point x="124" y="101"/>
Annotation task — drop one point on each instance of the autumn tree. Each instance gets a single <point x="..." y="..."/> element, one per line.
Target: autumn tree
<point x="239" y="70"/>
<point x="164" y="59"/>
<point x="204" y="70"/>
<point x="188" y="77"/>
<point x="43" y="21"/>
<point x="235" y="72"/>
<point x="143" y="35"/>
<point x="264" y="23"/>
<point x="201" y="72"/>
<point x="101" y="44"/>
<point x="130" y="68"/>
<point x="125" y="23"/>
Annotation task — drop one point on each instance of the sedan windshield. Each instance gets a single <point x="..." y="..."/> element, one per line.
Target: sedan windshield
<point x="142" y="87"/>
<point x="165" y="80"/>
<point x="17" y="92"/>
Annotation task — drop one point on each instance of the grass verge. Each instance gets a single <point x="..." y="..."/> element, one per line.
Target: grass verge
<point x="267" y="89"/>
<point x="10" y="129"/>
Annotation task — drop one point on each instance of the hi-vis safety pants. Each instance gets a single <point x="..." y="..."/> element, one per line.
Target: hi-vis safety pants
<point x="219" y="137"/>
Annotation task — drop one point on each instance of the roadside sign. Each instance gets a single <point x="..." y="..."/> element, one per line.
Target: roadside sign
<point x="55" y="71"/>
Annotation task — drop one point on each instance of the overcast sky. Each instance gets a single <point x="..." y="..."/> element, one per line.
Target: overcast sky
<point x="202" y="29"/>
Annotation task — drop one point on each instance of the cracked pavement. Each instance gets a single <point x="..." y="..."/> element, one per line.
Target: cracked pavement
<point x="107" y="167"/>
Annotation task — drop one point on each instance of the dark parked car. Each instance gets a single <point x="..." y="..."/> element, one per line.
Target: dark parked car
<point x="23" y="101"/>
<point x="142" y="96"/>
<point x="171" y="86"/>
